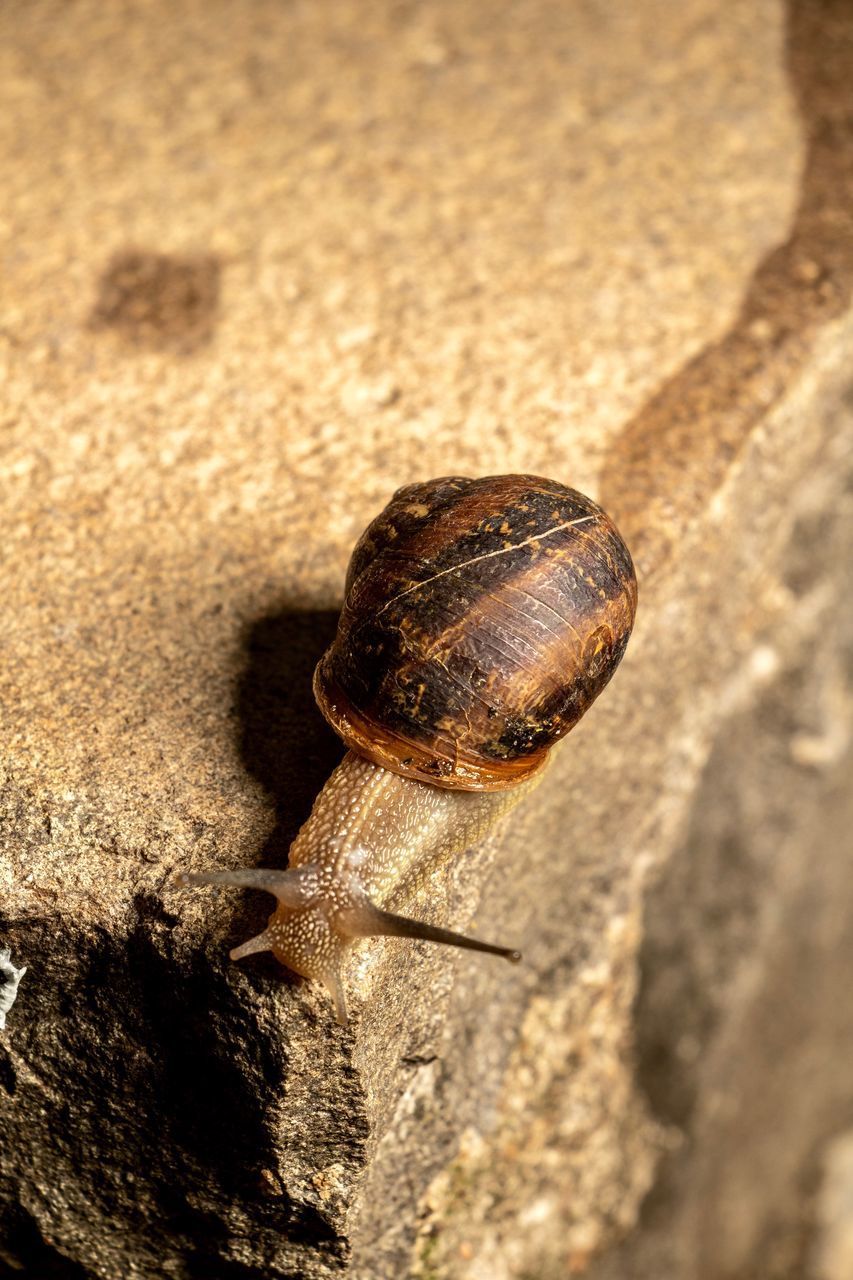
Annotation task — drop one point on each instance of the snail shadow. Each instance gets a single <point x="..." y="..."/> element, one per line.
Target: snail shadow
<point x="284" y="741"/>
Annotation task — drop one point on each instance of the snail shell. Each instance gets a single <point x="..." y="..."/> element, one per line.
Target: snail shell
<point x="482" y="618"/>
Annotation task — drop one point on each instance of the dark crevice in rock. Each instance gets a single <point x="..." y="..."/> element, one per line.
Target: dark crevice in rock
<point x="8" y="1075"/>
<point x="24" y="1252"/>
<point x="202" y="1264"/>
<point x="210" y="1120"/>
<point x="158" y="1097"/>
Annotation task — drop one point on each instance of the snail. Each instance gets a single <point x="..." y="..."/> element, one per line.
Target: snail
<point x="481" y="619"/>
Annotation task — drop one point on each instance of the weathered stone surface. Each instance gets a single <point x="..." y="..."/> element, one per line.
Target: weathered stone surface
<point x="264" y="263"/>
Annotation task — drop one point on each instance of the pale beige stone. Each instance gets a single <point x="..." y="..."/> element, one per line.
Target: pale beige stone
<point x="262" y="263"/>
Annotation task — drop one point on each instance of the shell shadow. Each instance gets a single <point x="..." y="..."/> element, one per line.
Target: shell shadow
<point x="284" y="741"/>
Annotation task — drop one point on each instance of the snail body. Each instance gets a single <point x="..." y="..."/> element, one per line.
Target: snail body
<point x="481" y="619"/>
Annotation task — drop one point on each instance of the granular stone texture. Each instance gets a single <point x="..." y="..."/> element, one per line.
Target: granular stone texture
<point x="261" y="265"/>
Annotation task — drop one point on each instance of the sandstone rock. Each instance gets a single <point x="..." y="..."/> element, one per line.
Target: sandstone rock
<point x="265" y="263"/>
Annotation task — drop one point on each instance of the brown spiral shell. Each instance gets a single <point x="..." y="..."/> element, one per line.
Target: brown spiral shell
<point x="481" y="620"/>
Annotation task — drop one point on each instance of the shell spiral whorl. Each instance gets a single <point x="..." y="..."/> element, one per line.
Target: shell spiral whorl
<point x="482" y="618"/>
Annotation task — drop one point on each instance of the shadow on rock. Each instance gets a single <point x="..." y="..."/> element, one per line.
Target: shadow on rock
<point x="285" y="744"/>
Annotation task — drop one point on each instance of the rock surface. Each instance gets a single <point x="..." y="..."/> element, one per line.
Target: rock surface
<point x="261" y="265"/>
